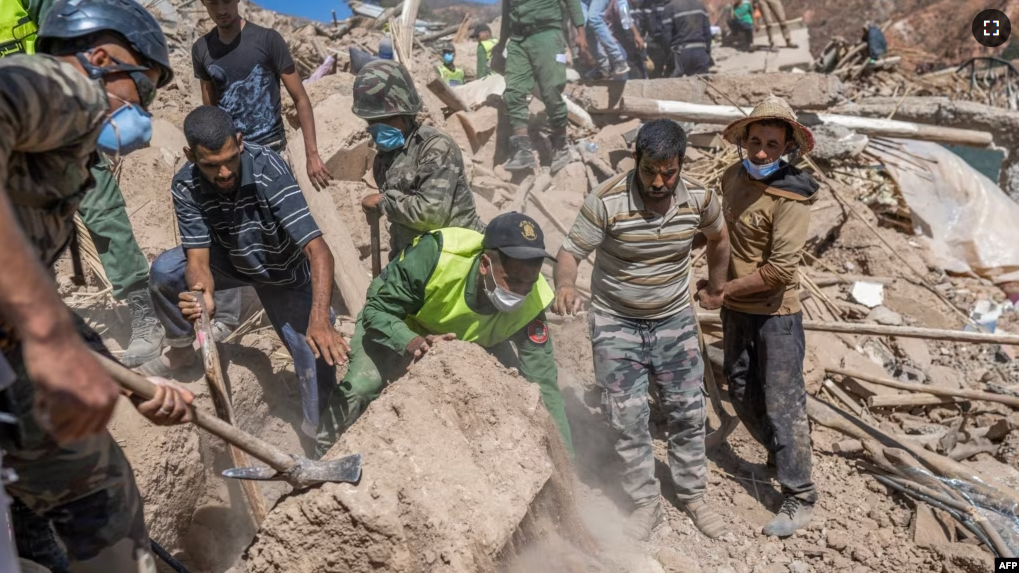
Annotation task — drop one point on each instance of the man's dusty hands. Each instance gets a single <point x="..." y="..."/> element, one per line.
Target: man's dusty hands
<point x="422" y="344"/>
<point x="74" y="396"/>
<point x="318" y="172"/>
<point x="708" y="299"/>
<point x="582" y="47"/>
<point x="567" y="301"/>
<point x="326" y="342"/>
<point x="189" y="306"/>
<point x="169" y="406"/>
<point x="370" y="204"/>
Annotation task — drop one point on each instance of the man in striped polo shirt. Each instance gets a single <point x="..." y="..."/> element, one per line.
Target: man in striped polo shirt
<point x="244" y="222"/>
<point x="642" y="224"/>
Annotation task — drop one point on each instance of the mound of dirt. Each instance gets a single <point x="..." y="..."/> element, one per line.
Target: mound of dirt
<point x="461" y="464"/>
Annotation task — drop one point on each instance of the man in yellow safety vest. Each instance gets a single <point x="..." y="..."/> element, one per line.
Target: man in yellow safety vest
<point x="453" y="283"/>
<point x="452" y="75"/>
<point x="486" y="43"/>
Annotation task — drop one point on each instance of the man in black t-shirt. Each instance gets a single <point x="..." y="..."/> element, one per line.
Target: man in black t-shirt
<point x="240" y="65"/>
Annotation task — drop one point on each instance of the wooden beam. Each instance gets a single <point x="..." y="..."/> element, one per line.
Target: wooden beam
<point x="1011" y="401"/>
<point x="903" y="331"/>
<point x="408" y="17"/>
<point x="450" y="98"/>
<point x="438" y="34"/>
<point x="701" y="113"/>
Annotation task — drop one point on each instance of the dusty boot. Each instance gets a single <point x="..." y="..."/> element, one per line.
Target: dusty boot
<point x="146" y="332"/>
<point x="705" y="518"/>
<point x="643" y="520"/>
<point x="523" y="154"/>
<point x="561" y="155"/>
<point x="795" y="514"/>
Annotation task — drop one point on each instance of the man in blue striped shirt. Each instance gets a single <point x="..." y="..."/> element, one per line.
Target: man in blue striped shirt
<point x="244" y="221"/>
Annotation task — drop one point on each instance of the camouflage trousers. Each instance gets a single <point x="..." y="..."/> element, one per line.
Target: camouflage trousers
<point x="628" y="354"/>
<point x="764" y="364"/>
<point x="86" y="489"/>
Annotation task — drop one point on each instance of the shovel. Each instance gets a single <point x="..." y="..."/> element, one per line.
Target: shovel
<point x="299" y="472"/>
<point x="373" y="221"/>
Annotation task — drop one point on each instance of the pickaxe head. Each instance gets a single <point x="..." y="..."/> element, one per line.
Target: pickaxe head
<point x="305" y="472"/>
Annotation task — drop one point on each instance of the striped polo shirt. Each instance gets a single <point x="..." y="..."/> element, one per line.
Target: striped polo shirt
<point x="264" y="224"/>
<point x="642" y="266"/>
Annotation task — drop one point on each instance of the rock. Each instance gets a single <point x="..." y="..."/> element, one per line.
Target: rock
<point x="884" y="315"/>
<point x="799" y="567"/>
<point x="862" y="554"/>
<point x="915" y="350"/>
<point x="570" y="186"/>
<point x="837" y="142"/>
<point x="773" y="568"/>
<point x="744" y="501"/>
<point x="838" y="540"/>
<point x="938" y="375"/>
<point x="675" y="562"/>
<point x="964" y="558"/>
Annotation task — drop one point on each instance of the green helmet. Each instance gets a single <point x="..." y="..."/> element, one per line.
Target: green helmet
<point x="384" y="88"/>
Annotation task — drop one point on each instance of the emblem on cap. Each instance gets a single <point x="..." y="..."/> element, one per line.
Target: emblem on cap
<point x="527" y="230"/>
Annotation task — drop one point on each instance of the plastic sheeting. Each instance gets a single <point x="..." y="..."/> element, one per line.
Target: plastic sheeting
<point x="971" y="226"/>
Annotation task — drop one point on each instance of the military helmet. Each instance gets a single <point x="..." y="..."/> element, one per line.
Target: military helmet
<point x="70" y="19"/>
<point x="448" y="47"/>
<point x="384" y="88"/>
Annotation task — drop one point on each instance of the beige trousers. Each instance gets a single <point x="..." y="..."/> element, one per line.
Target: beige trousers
<point x="774" y="13"/>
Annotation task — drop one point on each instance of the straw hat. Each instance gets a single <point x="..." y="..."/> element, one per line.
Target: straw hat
<point x="772" y="108"/>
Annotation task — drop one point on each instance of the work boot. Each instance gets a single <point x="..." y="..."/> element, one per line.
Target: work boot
<point x="146" y="331"/>
<point x="622" y="69"/>
<point x="705" y="518"/>
<point x="643" y="520"/>
<point x="795" y="514"/>
<point x="561" y="154"/>
<point x="523" y="154"/>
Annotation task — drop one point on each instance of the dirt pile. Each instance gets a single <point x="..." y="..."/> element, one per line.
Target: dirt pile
<point x="460" y="460"/>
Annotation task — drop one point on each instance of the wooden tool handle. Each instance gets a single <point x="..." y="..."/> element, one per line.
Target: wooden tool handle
<point x="139" y="385"/>
<point x="373" y="221"/>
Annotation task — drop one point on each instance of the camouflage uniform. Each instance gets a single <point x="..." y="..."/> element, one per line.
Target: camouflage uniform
<point x="50" y="117"/>
<point x="423" y="183"/>
<point x="627" y="353"/>
<point x="424" y="188"/>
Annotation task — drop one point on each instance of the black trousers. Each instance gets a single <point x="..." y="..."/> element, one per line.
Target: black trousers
<point x="690" y="61"/>
<point x="764" y="364"/>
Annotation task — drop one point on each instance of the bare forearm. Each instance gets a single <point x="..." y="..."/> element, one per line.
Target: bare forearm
<point x="718" y="263"/>
<point x="322" y="266"/>
<point x="28" y="298"/>
<point x="197" y="270"/>
<point x="306" y="117"/>
<point x="565" y="273"/>
<point x="749" y="284"/>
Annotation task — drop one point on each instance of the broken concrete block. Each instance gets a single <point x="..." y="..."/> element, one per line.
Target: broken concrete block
<point x="944" y="376"/>
<point x="915" y="350"/>
<point x="461" y="462"/>
<point x="884" y="315"/>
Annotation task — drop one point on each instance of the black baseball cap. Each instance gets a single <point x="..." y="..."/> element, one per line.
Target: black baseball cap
<point x="517" y="236"/>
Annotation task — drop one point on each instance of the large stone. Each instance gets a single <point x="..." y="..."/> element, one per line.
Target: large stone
<point x="926" y="530"/>
<point x="461" y="464"/>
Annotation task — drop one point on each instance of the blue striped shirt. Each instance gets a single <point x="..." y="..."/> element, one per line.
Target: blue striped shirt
<point x="264" y="225"/>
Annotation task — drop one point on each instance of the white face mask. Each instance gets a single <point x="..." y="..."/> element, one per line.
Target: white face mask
<point x="502" y="299"/>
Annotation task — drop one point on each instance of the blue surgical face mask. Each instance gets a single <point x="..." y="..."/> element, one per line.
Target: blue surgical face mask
<point x="387" y="137"/>
<point x="760" y="171"/>
<point x="448" y="58"/>
<point x="125" y="130"/>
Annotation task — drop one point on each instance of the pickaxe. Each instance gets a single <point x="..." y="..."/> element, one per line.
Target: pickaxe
<point x="298" y="471"/>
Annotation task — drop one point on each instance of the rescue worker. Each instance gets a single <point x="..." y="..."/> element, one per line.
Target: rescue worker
<point x="535" y="52"/>
<point x="649" y="17"/>
<point x="453" y="283"/>
<point x="642" y="224"/>
<point x="688" y="30"/>
<point x="486" y="43"/>
<point x="418" y="169"/>
<point x="767" y="207"/>
<point x="244" y="221"/>
<point x="741" y="24"/>
<point x="773" y="14"/>
<point x="102" y="210"/>
<point x="104" y="60"/>
<point x="450" y="74"/>
<point x="602" y="43"/>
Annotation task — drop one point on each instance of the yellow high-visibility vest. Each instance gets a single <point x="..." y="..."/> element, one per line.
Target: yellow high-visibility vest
<point x="17" y="30"/>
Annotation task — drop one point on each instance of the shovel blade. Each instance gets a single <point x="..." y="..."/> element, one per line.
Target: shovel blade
<point x="306" y="472"/>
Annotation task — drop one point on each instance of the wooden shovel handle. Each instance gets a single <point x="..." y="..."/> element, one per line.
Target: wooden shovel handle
<point x="140" y="386"/>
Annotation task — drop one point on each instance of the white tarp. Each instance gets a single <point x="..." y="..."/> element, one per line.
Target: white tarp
<point x="969" y="223"/>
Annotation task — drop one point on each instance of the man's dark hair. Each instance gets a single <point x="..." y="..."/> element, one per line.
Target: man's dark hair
<point x="774" y="122"/>
<point x="209" y="127"/>
<point x="660" y="140"/>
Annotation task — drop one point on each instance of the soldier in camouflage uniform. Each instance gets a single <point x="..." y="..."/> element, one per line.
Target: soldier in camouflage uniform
<point x="108" y="58"/>
<point x="418" y="169"/>
<point x="642" y="224"/>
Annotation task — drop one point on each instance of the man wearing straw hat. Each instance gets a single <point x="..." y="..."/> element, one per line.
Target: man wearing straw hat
<point x="767" y="210"/>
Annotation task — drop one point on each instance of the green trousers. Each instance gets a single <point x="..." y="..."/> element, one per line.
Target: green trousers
<point x="373" y="366"/>
<point x="105" y="215"/>
<point x="539" y="57"/>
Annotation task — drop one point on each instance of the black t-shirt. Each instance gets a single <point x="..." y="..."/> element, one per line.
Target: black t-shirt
<point x="246" y="76"/>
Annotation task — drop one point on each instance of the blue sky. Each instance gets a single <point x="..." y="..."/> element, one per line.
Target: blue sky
<point x="315" y="9"/>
